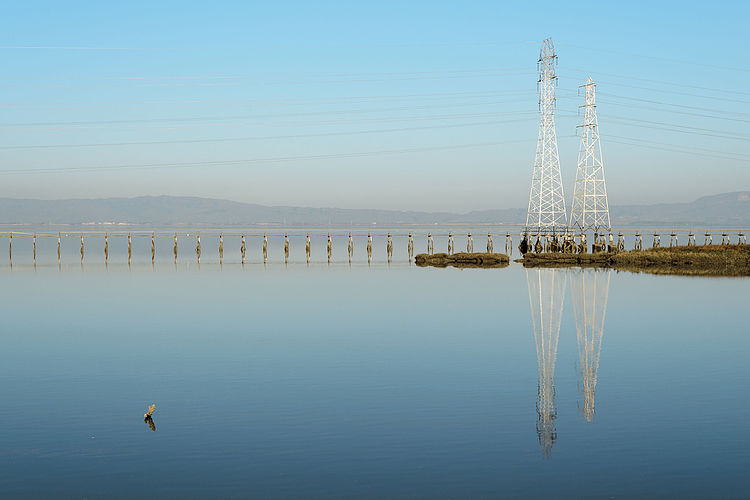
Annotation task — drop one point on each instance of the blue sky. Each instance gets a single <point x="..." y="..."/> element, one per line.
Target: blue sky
<point x="404" y="105"/>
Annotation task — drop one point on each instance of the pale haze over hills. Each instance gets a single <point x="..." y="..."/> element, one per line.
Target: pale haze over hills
<point x="729" y="209"/>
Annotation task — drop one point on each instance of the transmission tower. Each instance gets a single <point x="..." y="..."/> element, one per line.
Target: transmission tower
<point x="590" y="208"/>
<point x="546" y="296"/>
<point x="546" y="199"/>
<point x="589" y="288"/>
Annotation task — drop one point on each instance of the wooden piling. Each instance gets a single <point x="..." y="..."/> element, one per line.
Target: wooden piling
<point x="81" y="247"/>
<point x="450" y="243"/>
<point x="221" y="247"/>
<point x="329" y="248"/>
<point x="350" y="247"/>
<point x="153" y="247"/>
<point x="369" y="247"/>
<point x="106" y="248"/>
<point x="130" y="248"/>
<point x="410" y="247"/>
<point x="34" y="248"/>
<point x="265" y="247"/>
<point x="198" y="248"/>
<point x="175" y="248"/>
<point x="307" y="247"/>
<point x="10" y="247"/>
<point x="58" y="248"/>
<point x="242" y="248"/>
<point x="430" y="244"/>
<point x="286" y="247"/>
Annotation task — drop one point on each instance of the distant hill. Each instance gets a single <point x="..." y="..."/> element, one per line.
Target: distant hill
<point x="730" y="209"/>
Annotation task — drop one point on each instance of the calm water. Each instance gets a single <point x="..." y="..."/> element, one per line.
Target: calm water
<point x="369" y="381"/>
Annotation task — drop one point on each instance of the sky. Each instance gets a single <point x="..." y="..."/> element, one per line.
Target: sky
<point x="391" y="105"/>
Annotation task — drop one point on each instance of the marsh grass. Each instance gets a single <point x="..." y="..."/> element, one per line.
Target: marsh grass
<point x="463" y="260"/>
<point x="710" y="260"/>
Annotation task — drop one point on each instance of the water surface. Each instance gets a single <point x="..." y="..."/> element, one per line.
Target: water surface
<point x="385" y="380"/>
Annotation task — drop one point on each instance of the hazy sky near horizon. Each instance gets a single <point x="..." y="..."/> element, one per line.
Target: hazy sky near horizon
<point x="402" y="105"/>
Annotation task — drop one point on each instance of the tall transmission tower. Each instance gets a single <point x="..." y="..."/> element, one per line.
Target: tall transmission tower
<point x="590" y="208"/>
<point x="546" y="199"/>
<point x="546" y="296"/>
<point x="589" y="288"/>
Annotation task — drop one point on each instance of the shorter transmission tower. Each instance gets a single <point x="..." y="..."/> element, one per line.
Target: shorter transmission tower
<point x="590" y="209"/>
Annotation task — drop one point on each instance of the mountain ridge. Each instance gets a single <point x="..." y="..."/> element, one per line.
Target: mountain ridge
<point x="724" y="208"/>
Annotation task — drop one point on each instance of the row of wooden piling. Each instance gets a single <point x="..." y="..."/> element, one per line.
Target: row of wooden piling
<point x="576" y="243"/>
<point x="537" y="242"/>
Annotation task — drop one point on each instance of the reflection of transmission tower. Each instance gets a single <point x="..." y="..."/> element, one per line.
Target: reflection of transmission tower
<point x="546" y="296"/>
<point x="590" y="208"/>
<point x="589" y="288"/>
<point x="546" y="199"/>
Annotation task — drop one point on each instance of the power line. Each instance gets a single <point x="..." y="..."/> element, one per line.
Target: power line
<point x="286" y="101"/>
<point x="261" y="160"/>
<point x="252" y="117"/>
<point x="256" y="138"/>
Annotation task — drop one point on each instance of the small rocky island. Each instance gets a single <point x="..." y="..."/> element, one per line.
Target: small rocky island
<point x="463" y="260"/>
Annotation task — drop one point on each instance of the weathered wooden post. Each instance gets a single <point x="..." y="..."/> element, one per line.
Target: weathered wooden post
<point x="175" y="248"/>
<point x="389" y="247"/>
<point x="58" y="248"/>
<point x="198" y="248"/>
<point x="369" y="247"/>
<point x="106" y="248"/>
<point x="286" y="247"/>
<point x="350" y="247"/>
<point x="130" y="248"/>
<point x="430" y="244"/>
<point x="410" y="247"/>
<point x="221" y="247"/>
<point x="450" y="243"/>
<point x="508" y="244"/>
<point x="242" y="248"/>
<point x="265" y="248"/>
<point x="10" y="248"/>
<point x="81" y="247"/>
<point x="34" y="248"/>
<point x="469" y="243"/>
<point x="307" y="247"/>
<point x="329" y="247"/>
<point x="153" y="247"/>
<point x="490" y="245"/>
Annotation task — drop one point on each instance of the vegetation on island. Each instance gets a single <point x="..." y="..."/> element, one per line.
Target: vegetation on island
<point x="463" y="260"/>
<point x="708" y="260"/>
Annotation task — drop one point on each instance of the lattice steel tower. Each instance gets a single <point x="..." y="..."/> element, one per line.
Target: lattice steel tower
<point x="546" y="200"/>
<point x="590" y="208"/>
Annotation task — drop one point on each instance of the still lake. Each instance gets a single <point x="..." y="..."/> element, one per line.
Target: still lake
<point x="381" y="380"/>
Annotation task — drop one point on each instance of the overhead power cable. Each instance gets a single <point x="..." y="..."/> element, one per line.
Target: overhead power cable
<point x="259" y="138"/>
<point x="272" y="159"/>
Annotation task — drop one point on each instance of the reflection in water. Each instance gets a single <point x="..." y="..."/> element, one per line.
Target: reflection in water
<point x="546" y="297"/>
<point x="150" y="421"/>
<point x="589" y="289"/>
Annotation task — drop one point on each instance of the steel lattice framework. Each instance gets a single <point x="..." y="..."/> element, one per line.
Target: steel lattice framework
<point x="589" y="288"/>
<point x="546" y="199"/>
<point x="590" y="209"/>
<point x="546" y="297"/>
